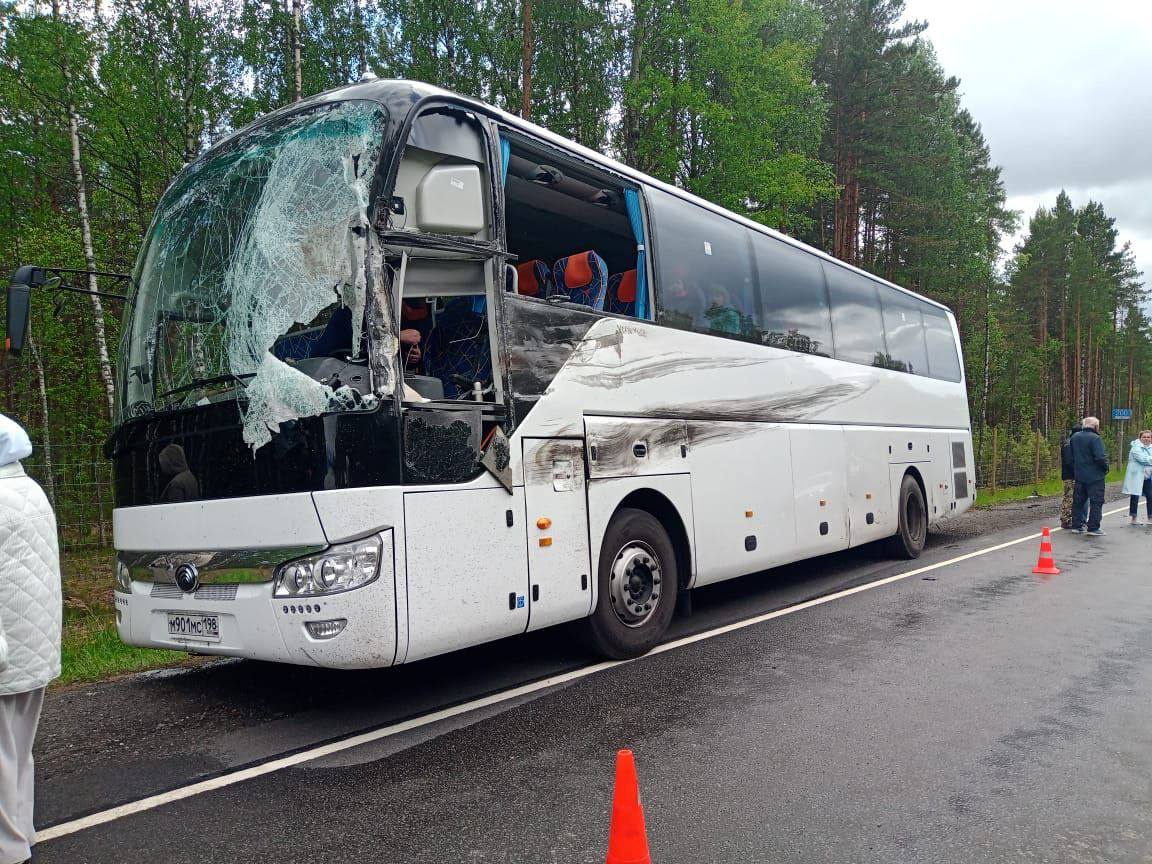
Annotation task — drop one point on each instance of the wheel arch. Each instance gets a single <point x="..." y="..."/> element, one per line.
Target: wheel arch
<point x="659" y="505"/>
<point x="914" y="472"/>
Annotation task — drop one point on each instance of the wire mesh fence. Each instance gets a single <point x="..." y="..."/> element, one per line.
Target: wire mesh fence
<point x="1026" y="457"/>
<point x="78" y="481"/>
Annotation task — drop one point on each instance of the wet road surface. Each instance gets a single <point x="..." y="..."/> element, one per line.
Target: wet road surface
<point x="972" y="713"/>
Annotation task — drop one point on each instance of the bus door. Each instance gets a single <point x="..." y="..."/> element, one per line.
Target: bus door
<point x="556" y="505"/>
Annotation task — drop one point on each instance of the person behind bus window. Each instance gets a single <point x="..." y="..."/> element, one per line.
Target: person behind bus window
<point x="721" y="315"/>
<point x="1138" y="478"/>
<point x="336" y="337"/>
<point x="683" y="305"/>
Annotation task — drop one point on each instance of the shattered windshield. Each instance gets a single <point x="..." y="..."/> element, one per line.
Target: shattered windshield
<point x="254" y="267"/>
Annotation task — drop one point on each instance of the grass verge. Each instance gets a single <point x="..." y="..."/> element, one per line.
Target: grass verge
<point x="1046" y="488"/>
<point x="91" y="649"/>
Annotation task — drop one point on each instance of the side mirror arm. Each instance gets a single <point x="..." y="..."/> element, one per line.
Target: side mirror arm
<point x="27" y="277"/>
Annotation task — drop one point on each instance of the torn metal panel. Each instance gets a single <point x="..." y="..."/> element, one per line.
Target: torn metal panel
<point x="541" y="337"/>
<point x="497" y="457"/>
<point x="383" y="340"/>
<point x="258" y="240"/>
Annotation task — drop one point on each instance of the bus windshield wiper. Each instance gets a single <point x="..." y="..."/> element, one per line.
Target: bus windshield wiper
<point x="204" y="382"/>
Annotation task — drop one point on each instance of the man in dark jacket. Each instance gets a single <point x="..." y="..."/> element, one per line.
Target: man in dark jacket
<point x="1090" y="464"/>
<point x="1068" y="475"/>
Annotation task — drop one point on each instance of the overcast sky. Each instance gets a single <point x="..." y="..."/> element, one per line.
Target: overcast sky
<point x="1063" y="91"/>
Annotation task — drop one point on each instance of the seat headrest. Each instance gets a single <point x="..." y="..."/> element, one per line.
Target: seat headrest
<point x="626" y="289"/>
<point x="578" y="270"/>
<point x="528" y="278"/>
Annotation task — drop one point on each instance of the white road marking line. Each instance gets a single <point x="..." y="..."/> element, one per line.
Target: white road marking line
<point x="223" y="781"/>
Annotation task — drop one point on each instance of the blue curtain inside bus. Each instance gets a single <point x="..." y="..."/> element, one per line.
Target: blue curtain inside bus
<point x="505" y="155"/>
<point x="632" y="202"/>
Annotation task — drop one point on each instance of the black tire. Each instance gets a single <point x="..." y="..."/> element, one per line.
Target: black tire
<point x="637" y="580"/>
<point x="908" y="542"/>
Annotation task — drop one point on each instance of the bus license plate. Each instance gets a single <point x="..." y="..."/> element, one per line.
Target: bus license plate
<point x="205" y="627"/>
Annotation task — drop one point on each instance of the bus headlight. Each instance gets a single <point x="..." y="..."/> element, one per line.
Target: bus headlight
<point x="123" y="578"/>
<point x="340" y="568"/>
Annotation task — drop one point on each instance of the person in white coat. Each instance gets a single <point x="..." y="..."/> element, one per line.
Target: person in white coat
<point x="1138" y="477"/>
<point x="30" y="612"/>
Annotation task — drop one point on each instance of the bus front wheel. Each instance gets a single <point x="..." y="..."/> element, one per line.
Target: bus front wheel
<point x="637" y="582"/>
<point x="909" y="539"/>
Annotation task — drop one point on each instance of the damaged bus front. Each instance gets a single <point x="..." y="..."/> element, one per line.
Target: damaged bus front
<point x="260" y="376"/>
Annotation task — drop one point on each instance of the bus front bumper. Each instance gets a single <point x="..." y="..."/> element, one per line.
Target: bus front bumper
<point x="353" y="629"/>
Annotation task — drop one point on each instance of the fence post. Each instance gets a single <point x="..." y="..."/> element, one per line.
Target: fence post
<point x="995" y="455"/>
<point x="1038" y="457"/>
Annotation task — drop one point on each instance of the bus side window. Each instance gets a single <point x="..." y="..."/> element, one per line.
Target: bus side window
<point x="704" y="269"/>
<point x="793" y="299"/>
<point x="857" y="325"/>
<point x="903" y="331"/>
<point x="573" y="229"/>
<point x="942" y="360"/>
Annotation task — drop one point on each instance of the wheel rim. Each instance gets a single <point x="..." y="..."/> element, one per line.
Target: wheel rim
<point x="634" y="585"/>
<point x="914" y="519"/>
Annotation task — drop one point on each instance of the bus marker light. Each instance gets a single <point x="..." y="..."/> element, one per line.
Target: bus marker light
<point x="823" y="503"/>
<point x="545" y="541"/>
<point x="747" y="514"/>
<point x="543" y="523"/>
<point x="868" y="496"/>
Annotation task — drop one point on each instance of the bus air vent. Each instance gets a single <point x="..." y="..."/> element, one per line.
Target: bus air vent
<point x="958" y="455"/>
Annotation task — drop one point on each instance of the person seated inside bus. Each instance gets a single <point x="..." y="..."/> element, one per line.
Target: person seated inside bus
<point x="336" y="337"/>
<point x="683" y="305"/>
<point x="721" y="315"/>
<point x="415" y="327"/>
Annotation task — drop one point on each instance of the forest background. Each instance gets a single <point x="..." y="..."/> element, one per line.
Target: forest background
<point x="831" y="120"/>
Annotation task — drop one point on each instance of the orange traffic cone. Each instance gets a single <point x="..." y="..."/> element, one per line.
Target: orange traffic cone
<point x="1046" y="566"/>
<point x="627" y="840"/>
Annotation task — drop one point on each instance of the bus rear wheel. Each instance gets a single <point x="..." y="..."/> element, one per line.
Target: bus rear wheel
<point x="636" y="582"/>
<point x="909" y="539"/>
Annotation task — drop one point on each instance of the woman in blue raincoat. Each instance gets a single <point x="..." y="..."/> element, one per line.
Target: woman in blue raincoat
<point x="1138" y="479"/>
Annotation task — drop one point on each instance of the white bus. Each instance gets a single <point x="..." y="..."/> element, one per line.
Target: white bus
<point x="403" y="373"/>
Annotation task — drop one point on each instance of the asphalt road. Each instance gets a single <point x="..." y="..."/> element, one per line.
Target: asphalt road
<point x="973" y="712"/>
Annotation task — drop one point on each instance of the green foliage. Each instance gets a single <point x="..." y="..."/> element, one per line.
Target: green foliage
<point x="1073" y="309"/>
<point x="720" y="101"/>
